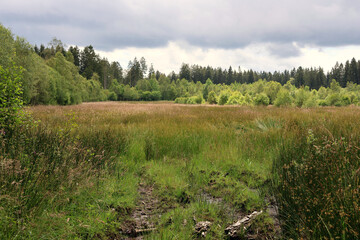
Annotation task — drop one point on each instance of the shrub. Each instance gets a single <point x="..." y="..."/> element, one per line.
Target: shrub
<point x="10" y="98"/>
<point x="224" y="97"/>
<point x="236" y="99"/>
<point x="131" y="94"/>
<point x="283" y="98"/>
<point x="301" y="95"/>
<point x="156" y="95"/>
<point x="261" y="99"/>
<point x="194" y="100"/>
<point x="191" y="100"/>
<point x="145" y="95"/>
<point x="310" y="102"/>
<point x="182" y="100"/>
<point x="271" y="90"/>
<point x="333" y="100"/>
<point x="212" y="98"/>
<point x="346" y="99"/>
<point x="112" y="96"/>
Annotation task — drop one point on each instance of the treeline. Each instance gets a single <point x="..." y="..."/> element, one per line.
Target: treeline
<point x="89" y="63"/>
<point x="55" y="80"/>
<point x="266" y="93"/>
<point x="55" y="74"/>
<point x="314" y="78"/>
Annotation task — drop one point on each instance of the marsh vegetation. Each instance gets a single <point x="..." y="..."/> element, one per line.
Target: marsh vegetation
<point x="92" y="170"/>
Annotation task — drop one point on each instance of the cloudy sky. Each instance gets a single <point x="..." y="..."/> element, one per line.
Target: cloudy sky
<point x="259" y="34"/>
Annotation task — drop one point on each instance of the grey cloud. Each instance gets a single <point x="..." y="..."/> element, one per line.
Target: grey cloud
<point x="208" y="24"/>
<point x="284" y="50"/>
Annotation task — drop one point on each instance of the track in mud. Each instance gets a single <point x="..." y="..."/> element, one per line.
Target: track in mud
<point x="145" y="216"/>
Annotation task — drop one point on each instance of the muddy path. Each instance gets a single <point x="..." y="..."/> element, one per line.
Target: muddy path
<point x="145" y="217"/>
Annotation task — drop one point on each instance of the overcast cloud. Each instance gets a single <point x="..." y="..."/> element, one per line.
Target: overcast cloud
<point x="281" y="31"/>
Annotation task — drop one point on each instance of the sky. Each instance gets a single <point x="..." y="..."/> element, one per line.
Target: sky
<point x="264" y="35"/>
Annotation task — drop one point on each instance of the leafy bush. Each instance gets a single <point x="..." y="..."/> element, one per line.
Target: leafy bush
<point x="224" y="97"/>
<point x="130" y="93"/>
<point x="301" y="96"/>
<point x="182" y="100"/>
<point x="145" y="95"/>
<point x="271" y="90"/>
<point x="310" y="102"/>
<point x="261" y="99"/>
<point x="283" y="98"/>
<point x="191" y="100"/>
<point x="236" y="98"/>
<point x="346" y="99"/>
<point x="194" y="100"/>
<point x="333" y="99"/>
<point x="211" y="98"/>
<point x="112" y="96"/>
<point x="10" y="98"/>
<point x="156" y="95"/>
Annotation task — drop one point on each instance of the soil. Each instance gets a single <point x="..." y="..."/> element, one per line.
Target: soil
<point x="145" y="216"/>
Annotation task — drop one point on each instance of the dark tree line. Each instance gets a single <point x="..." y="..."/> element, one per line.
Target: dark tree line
<point x="314" y="78"/>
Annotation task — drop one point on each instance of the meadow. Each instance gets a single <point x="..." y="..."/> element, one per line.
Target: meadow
<point x="114" y="170"/>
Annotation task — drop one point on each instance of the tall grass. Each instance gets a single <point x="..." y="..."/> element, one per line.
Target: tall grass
<point x="51" y="176"/>
<point x="316" y="177"/>
<point x="319" y="188"/>
<point x="76" y="174"/>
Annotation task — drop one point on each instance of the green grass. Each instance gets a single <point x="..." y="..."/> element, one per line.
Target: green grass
<point x="75" y="175"/>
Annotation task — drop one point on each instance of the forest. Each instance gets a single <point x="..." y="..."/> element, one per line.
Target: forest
<point x="58" y="75"/>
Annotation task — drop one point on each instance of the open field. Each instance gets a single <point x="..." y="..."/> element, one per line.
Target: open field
<point x="155" y="170"/>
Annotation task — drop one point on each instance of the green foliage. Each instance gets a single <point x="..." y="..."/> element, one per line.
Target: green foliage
<point x="235" y="99"/>
<point x="182" y="100"/>
<point x="301" y="96"/>
<point x="261" y="99"/>
<point x="333" y="99"/>
<point x="195" y="100"/>
<point x="310" y="102"/>
<point x="52" y="76"/>
<point x="271" y="90"/>
<point x="112" y="96"/>
<point x="212" y="99"/>
<point x="6" y="47"/>
<point x="118" y="89"/>
<point x="224" y="97"/>
<point x="148" y="90"/>
<point x="10" y="98"/>
<point x="130" y="94"/>
<point x="207" y="89"/>
<point x="335" y="86"/>
<point x="283" y="98"/>
<point x="143" y="85"/>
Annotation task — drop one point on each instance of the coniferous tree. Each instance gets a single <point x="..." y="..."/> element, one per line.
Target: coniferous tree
<point x="230" y="78"/>
<point x="299" y="77"/>
<point x="151" y="71"/>
<point x="353" y="72"/>
<point x="185" y="72"/>
<point x="88" y="62"/>
<point x="76" y="54"/>
<point x="347" y="76"/>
